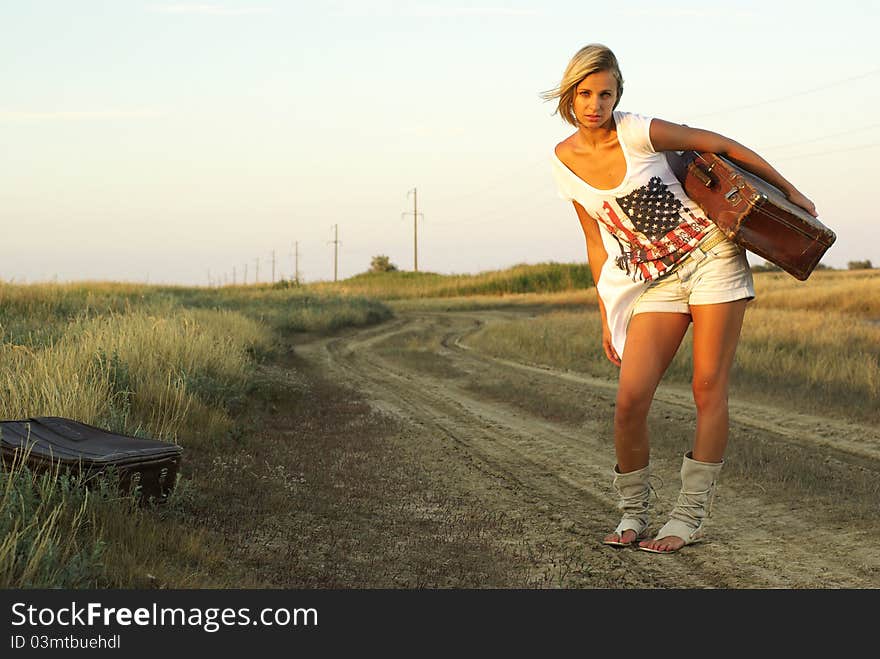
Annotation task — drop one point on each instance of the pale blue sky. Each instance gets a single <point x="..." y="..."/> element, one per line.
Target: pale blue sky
<point x="162" y="141"/>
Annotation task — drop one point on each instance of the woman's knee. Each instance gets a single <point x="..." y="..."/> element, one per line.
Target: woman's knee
<point x="710" y="390"/>
<point x="632" y="404"/>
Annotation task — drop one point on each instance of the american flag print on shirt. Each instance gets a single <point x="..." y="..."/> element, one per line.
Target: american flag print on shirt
<point x="654" y="228"/>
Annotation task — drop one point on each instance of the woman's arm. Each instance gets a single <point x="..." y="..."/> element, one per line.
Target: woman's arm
<point x="666" y="136"/>
<point x="596" y="256"/>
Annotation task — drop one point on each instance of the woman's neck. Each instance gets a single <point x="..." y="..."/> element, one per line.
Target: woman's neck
<point x="598" y="136"/>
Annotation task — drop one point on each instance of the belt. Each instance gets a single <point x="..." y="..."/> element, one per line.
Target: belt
<point x="709" y="243"/>
<point x="699" y="253"/>
<point x="702" y="248"/>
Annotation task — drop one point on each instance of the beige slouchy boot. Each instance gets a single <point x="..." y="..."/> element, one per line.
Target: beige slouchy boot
<point x="633" y="489"/>
<point x="698" y="481"/>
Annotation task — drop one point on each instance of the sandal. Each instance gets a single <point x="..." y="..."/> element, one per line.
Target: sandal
<point x="698" y="484"/>
<point x="634" y="489"/>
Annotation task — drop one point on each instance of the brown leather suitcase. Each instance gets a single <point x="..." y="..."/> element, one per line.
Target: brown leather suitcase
<point x="752" y="212"/>
<point x="147" y="467"/>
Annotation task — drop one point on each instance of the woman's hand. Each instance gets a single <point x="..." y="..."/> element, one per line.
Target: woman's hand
<point x="666" y="136"/>
<point x="610" y="352"/>
<point x="798" y="199"/>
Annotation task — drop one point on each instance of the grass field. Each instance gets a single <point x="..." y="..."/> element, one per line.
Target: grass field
<point x="175" y="364"/>
<point x="519" y="279"/>
<point x="813" y="345"/>
<point x="194" y="366"/>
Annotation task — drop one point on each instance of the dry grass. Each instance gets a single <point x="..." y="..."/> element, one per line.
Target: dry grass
<point x="538" y="278"/>
<point x="573" y="299"/>
<point x="170" y="363"/>
<point x="855" y="292"/>
<point x="806" y="360"/>
<point x="49" y="533"/>
<point x="135" y="372"/>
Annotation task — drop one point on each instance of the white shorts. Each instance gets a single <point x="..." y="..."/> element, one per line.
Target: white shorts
<point x="719" y="275"/>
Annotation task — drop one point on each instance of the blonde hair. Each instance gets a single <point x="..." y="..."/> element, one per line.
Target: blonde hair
<point x="590" y="59"/>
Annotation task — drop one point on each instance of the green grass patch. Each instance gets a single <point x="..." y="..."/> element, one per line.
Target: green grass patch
<point x="519" y="279"/>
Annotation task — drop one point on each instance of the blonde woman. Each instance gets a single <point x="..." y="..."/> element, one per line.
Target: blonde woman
<point x="659" y="265"/>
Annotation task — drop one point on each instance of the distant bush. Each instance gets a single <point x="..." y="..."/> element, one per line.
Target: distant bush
<point x="766" y="267"/>
<point x="772" y="267"/>
<point x="286" y="283"/>
<point x="382" y="263"/>
<point x="860" y="265"/>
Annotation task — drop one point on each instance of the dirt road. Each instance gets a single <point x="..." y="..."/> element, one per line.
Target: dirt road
<point x="534" y="444"/>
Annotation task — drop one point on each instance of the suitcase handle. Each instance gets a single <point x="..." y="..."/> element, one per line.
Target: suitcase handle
<point x="704" y="174"/>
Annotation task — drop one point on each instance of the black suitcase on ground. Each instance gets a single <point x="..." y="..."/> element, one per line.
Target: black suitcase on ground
<point x="148" y="464"/>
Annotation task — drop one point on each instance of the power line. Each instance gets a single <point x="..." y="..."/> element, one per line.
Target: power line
<point x="502" y="212"/>
<point x="496" y="182"/>
<point x="531" y="192"/>
<point x="823" y="153"/>
<point x="537" y="193"/>
<point x="504" y="179"/>
<point x="788" y="96"/>
<point x="539" y="200"/>
<point x="819" y="139"/>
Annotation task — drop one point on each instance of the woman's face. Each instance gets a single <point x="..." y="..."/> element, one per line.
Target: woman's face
<point x="594" y="99"/>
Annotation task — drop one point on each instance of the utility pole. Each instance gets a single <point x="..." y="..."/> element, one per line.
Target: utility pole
<point x="233" y="275"/>
<point x="245" y="274"/>
<point x="335" y="242"/>
<point x="273" y="266"/>
<point x="415" y="214"/>
<point x="257" y="271"/>
<point x="296" y="262"/>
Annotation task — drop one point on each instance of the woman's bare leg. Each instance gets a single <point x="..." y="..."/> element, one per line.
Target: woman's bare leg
<point x="716" y="334"/>
<point x="652" y="340"/>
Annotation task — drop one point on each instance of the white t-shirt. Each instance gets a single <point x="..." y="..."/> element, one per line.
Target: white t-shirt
<point x="647" y="223"/>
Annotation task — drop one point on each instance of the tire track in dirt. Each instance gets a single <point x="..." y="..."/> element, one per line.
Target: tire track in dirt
<point x="498" y="445"/>
<point x="853" y="438"/>
<point x="558" y="477"/>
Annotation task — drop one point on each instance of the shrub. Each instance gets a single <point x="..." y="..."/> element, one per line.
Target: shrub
<point x="766" y="267"/>
<point x="382" y="263"/>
